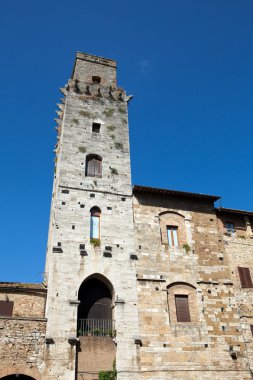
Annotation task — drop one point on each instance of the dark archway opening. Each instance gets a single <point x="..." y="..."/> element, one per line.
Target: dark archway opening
<point x="17" y="377"/>
<point x="95" y="308"/>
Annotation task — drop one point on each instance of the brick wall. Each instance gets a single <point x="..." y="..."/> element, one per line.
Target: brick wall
<point x="95" y="353"/>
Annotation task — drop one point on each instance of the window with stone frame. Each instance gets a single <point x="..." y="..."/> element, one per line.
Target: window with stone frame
<point x="182" y="303"/>
<point x="93" y="166"/>
<point x="245" y="277"/>
<point x="173" y="229"/>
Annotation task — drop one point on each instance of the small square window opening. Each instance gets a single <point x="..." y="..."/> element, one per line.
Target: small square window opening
<point x="96" y="79"/>
<point x="96" y="127"/>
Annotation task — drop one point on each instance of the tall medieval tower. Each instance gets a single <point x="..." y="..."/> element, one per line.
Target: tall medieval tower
<point x="90" y="266"/>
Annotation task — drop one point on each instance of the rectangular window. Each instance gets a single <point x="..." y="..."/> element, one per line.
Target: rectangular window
<point x="230" y="227"/>
<point x="6" y="308"/>
<point x="251" y="328"/>
<point x="96" y="127"/>
<point x="172" y="236"/>
<point x="94" y="227"/>
<point x="182" y="308"/>
<point x="245" y="277"/>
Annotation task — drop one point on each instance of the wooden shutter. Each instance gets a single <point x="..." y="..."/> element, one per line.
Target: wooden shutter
<point x="98" y="168"/>
<point x="94" y="166"/>
<point x="182" y="308"/>
<point x="6" y="308"/>
<point x="90" y="167"/>
<point x="245" y="278"/>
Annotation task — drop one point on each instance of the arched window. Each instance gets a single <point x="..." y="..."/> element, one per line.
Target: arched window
<point x="93" y="166"/>
<point x="182" y="302"/>
<point x="95" y="213"/>
<point x="95" y="307"/>
<point x="173" y="231"/>
<point x="96" y="79"/>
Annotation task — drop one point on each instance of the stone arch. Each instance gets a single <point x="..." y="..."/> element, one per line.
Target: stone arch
<point x="171" y="212"/>
<point x="95" y="297"/>
<point x="26" y="373"/>
<point x="181" y="283"/>
<point x="103" y="279"/>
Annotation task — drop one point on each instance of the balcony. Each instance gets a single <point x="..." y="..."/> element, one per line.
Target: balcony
<point x="96" y="327"/>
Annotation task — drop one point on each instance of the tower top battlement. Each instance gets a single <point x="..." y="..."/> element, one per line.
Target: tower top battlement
<point x="87" y="66"/>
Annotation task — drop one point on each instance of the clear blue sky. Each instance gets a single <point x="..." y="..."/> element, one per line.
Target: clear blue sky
<point x="188" y="64"/>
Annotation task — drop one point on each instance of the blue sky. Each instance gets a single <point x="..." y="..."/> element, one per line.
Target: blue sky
<point x="189" y="66"/>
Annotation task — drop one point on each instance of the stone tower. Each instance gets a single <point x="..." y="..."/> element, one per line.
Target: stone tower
<point x="90" y="264"/>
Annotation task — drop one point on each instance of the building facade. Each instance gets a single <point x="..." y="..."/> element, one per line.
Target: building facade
<point x="155" y="283"/>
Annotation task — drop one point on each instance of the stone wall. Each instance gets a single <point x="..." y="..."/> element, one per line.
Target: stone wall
<point x="239" y="250"/>
<point x="22" y="335"/>
<point x="29" y="303"/>
<point x="143" y="272"/>
<point x="74" y="195"/>
<point x="200" y="349"/>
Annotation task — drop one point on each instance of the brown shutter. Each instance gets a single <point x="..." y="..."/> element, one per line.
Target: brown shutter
<point x="90" y="167"/>
<point x="96" y="167"/>
<point x="245" y="277"/>
<point x="251" y="328"/>
<point x="99" y="168"/>
<point x="182" y="308"/>
<point x="6" y="308"/>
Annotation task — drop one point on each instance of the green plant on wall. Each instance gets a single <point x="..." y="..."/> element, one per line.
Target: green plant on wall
<point x="118" y="145"/>
<point x="85" y="114"/>
<point x="95" y="242"/>
<point x="106" y="375"/>
<point x="82" y="149"/>
<point x="110" y="127"/>
<point x="108" y="112"/>
<point x="114" y="171"/>
<point x="122" y="110"/>
<point x="112" y="136"/>
<point x="75" y="121"/>
<point x="109" y="375"/>
<point x="187" y="248"/>
<point x="124" y="121"/>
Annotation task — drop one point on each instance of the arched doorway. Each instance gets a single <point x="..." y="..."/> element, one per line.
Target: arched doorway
<point x="17" y="377"/>
<point x="95" y="308"/>
<point x="96" y="349"/>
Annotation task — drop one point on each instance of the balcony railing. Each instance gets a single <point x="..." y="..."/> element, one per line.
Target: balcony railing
<point x="95" y="327"/>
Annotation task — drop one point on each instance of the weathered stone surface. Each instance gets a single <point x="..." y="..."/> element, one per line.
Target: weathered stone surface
<point x="134" y="258"/>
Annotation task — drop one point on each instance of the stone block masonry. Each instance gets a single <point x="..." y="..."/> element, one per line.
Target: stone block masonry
<point x="158" y="279"/>
<point x="93" y="123"/>
<point x="22" y="334"/>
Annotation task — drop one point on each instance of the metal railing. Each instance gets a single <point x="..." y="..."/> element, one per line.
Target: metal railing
<point x="95" y="327"/>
